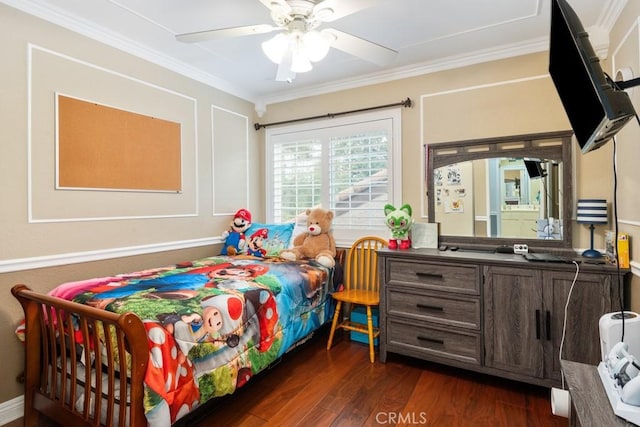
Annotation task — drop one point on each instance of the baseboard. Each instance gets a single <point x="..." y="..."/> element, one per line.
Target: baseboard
<point x="11" y="410"/>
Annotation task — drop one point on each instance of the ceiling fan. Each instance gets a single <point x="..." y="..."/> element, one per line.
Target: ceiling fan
<point x="299" y="42"/>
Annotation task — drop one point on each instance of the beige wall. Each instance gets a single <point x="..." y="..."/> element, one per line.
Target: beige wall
<point x="625" y="52"/>
<point x="66" y="230"/>
<point x="20" y="239"/>
<point x="441" y="113"/>
<point x="41" y="59"/>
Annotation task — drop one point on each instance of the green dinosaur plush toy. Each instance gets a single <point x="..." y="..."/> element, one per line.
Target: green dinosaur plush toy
<point x="399" y="222"/>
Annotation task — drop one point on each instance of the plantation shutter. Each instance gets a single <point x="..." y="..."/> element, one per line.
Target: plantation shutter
<point x="350" y="167"/>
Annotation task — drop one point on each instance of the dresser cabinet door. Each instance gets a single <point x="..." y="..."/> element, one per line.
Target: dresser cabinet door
<point x="514" y="323"/>
<point x="592" y="296"/>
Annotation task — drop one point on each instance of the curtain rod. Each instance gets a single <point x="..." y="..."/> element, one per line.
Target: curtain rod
<point x="406" y="103"/>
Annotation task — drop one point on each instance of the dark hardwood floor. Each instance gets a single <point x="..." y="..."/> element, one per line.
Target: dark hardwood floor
<point x="315" y="387"/>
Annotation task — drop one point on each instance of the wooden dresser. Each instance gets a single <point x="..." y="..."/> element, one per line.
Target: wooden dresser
<point x="493" y="313"/>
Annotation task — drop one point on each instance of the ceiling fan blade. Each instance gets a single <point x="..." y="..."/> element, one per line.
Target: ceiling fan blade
<point x="361" y="48"/>
<point x="340" y="8"/>
<point x="282" y="5"/>
<point x="284" y="73"/>
<point x="201" y="36"/>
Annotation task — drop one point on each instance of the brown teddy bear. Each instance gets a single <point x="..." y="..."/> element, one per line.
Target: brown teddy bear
<point x="315" y="243"/>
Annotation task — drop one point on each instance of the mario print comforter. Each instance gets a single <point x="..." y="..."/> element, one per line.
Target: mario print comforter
<point x="213" y="323"/>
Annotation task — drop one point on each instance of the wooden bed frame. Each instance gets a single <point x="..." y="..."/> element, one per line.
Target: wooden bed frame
<point x="55" y="368"/>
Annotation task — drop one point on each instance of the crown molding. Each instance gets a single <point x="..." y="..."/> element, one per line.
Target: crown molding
<point x="451" y="62"/>
<point x="129" y="46"/>
<point x="611" y="14"/>
<point x="599" y="38"/>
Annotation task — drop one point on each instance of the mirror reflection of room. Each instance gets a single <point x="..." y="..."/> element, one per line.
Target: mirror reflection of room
<point x="519" y="205"/>
<point x="483" y="190"/>
<point x="522" y="210"/>
<point x="512" y="179"/>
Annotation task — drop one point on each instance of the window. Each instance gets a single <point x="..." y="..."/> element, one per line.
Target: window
<point x="349" y="165"/>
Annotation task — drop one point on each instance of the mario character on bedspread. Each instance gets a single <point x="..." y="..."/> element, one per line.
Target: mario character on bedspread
<point x="256" y="243"/>
<point x="175" y="285"/>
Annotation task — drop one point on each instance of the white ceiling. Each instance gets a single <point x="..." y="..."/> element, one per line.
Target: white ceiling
<point x="429" y="35"/>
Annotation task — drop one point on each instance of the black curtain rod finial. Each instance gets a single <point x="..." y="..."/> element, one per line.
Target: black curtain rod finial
<point x="407" y="103"/>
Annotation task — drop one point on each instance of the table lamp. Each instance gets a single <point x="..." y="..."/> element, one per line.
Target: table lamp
<point x="592" y="212"/>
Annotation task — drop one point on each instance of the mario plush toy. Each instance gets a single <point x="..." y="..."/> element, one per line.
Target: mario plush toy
<point x="235" y="241"/>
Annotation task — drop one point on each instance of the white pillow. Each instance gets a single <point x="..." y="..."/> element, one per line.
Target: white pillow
<point x="299" y="227"/>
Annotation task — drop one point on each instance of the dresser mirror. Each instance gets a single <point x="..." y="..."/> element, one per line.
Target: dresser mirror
<point x="500" y="191"/>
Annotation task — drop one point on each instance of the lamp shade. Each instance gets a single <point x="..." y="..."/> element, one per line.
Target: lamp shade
<point x="592" y="211"/>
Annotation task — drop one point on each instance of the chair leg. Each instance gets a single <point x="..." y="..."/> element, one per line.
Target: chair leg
<point x="372" y="354"/>
<point x="334" y="323"/>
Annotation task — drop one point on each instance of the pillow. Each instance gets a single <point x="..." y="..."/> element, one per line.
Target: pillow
<point x="300" y="226"/>
<point x="278" y="236"/>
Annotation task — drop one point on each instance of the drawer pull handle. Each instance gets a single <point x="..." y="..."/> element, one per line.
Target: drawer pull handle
<point x="430" y="275"/>
<point x="430" y="307"/>
<point x="432" y="340"/>
<point x="537" y="324"/>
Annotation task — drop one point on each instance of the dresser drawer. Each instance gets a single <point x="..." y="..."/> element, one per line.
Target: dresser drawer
<point x="422" y="341"/>
<point x="461" y="278"/>
<point x="460" y="312"/>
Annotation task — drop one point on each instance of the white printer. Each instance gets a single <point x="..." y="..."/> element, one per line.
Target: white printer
<point x="620" y="367"/>
<point x="611" y="332"/>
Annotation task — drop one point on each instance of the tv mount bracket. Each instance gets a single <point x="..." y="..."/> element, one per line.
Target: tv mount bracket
<point x="625" y="84"/>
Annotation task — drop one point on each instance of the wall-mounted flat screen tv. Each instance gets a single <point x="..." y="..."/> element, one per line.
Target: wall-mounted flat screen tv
<point x="534" y="168"/>
<point x="597" y="109"/>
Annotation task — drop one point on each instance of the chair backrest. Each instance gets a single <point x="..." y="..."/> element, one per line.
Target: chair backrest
<point x="361" y="269"/>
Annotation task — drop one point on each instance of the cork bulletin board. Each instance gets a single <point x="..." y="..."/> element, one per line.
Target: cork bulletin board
<point x="101" y="147"/>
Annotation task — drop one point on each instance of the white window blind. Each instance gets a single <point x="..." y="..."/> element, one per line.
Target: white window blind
<point x="348" y="165"/>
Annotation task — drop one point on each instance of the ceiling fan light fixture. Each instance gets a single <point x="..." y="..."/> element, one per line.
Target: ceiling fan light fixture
<point x="299" y="41"/>
<point x="276" y="47"/>
<point x="300" y="64"/>
<point x="302" y="48"/>
<point x="300" y="61"/>
<point x="316" y="45"/>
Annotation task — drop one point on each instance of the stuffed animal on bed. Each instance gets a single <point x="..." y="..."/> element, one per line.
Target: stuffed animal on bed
<point x="235" y="240"/>
<point x="399" y="222"/>
<point x="317" y="242"/>
<point x="256" y="243"/>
